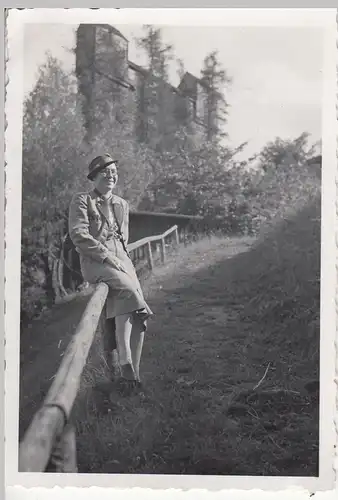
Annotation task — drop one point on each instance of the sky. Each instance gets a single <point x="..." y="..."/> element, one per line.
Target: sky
<point x="276" y="72"/>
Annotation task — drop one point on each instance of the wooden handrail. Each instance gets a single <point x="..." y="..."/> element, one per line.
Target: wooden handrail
<point x="151" y="239"/>
<point x="36" y="446"/>
<point x="48" y="424"/>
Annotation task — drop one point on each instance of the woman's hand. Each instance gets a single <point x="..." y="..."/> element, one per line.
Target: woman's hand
<point x="115" y="262"/>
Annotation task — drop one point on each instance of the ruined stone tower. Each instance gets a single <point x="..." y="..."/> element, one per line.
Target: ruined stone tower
<point x="102" y="61"/>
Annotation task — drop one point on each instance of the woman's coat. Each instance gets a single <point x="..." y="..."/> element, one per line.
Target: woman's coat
<point x="89" y="221"/>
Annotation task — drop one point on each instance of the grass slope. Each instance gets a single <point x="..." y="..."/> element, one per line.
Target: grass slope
<point x="226" y="314"/>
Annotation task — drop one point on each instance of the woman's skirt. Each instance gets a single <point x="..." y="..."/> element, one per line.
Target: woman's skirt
<point x="125" y="294"/>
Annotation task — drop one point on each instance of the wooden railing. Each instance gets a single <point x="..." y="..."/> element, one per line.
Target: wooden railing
<point x="147" y="248"/>
<point x="48" y="426"/>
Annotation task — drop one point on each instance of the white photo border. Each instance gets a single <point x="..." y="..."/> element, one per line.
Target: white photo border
<point x="325" y="18"/>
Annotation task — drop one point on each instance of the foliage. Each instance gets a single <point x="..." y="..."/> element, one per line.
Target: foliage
<point x="52" y="144"/>
<point x="180" y="163"/>
<point x="188" y="165"/>
<point x="282" y="153"/>
<point x="52" y="152"/>
<point x="237" y="197"/>
<point x="286" y="180"/>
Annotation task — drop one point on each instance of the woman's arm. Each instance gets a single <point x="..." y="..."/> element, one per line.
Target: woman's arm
<point x="79" y="230"/>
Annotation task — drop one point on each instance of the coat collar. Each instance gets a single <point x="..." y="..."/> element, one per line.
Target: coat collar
<point x="103" y="208"/>
<point x="96" y="196"/>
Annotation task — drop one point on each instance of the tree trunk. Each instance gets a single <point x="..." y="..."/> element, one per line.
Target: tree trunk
<point x="49" y="279"/>
<point x="61" y="267"/>
<point x="55" y="281"/>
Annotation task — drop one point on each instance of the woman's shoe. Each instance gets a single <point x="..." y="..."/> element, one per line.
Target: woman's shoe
<point x="126" y="387"/>
<point x="127" y="372"/>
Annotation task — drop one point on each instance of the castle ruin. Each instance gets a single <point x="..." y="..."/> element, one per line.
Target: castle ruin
<point x="102" y="63"/>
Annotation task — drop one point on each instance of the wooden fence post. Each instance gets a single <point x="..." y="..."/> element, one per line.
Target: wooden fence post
<point x="177" y="240"/>
<point x="162" y="250"/>
<point x="63" y="456"/>
<point x="69" y="271"/>
<point x="60" y="276"/>
<point x="150" y="256"/>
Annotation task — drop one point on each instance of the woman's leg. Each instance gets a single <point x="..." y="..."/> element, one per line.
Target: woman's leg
<point x="110" y="347"/>
<point x="124" y="323"/>
<point x="110" y="335"/>
<point x="137" y="339"/>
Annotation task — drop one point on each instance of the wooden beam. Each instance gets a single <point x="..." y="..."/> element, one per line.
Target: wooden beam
<point x="37" y="445"/>
<point x="48" y="422"/>
<point x="66" y="383"/>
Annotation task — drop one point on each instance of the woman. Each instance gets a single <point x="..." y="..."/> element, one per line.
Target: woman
<point x="99" y="228"/>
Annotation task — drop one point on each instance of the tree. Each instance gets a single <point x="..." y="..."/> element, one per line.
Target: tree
<point x="216" y="80"/>
<point x="157" y="96"/>
<point x="194" y="177"/>
<point x="282" y="153"/>
<point x="52" y="170"/>
<point x="158" y="54"/>
<point x="283" y="180"/>
<point x="52" y="144"/>
<point x="197" y="178"/>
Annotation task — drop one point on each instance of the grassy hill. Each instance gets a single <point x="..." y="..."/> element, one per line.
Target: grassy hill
<point x="230" y="364"/>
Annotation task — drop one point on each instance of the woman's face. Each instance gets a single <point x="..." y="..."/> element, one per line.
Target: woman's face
<point x="106" y="180"/>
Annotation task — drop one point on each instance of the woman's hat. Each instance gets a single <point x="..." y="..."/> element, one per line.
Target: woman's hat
<point x="98" y="164"/>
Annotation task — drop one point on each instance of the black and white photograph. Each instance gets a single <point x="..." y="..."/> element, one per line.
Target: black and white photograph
<point x="171" y="250"/>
